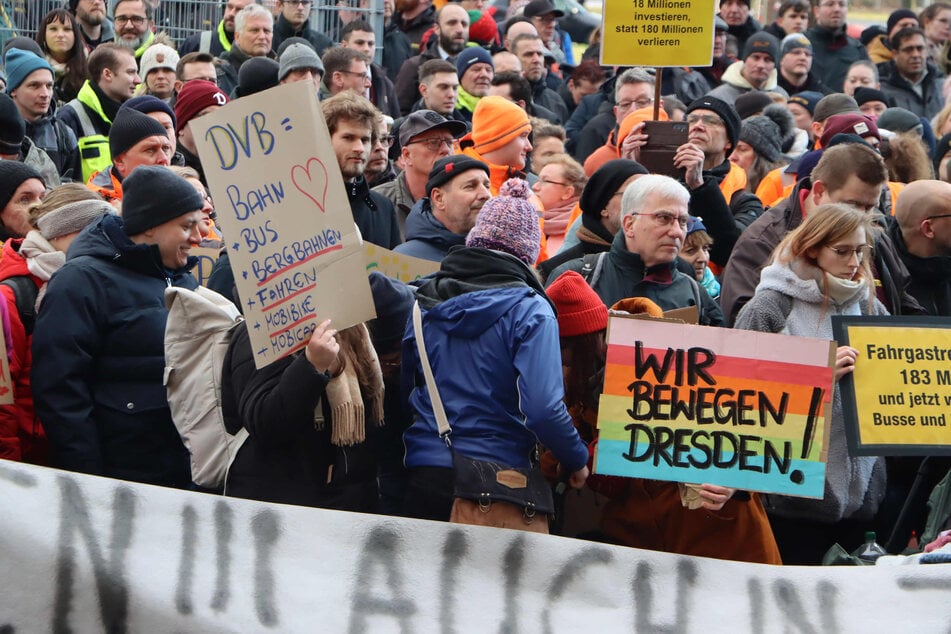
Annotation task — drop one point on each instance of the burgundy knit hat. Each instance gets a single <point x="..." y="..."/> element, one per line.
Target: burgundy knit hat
<point x="580" y="310"/>
<point x="509" y="222"/>
<point x="195" y="96"/>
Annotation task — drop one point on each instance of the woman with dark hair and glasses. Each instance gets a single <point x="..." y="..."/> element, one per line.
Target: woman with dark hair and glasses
<point x="821" y="269"/>
<point x="62" y="42"/>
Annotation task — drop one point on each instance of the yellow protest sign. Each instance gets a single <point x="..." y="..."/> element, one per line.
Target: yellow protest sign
<point x="657" y="33"/>
<point x="898" y="399"/>
<point x="395" y="265"/>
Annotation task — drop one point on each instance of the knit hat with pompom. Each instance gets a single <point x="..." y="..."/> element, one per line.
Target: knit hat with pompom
<point x="508" y="223"/>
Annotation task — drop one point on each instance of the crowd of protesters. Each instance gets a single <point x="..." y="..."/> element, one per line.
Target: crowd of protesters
<point x="814" y="181"/>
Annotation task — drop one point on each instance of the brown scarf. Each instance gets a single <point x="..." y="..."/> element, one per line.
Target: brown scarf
<point x="359" y="382"/>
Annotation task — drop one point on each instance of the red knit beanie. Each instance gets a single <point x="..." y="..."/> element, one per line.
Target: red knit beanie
<point x="580" y="310"/>
<point x="195" y="96"/>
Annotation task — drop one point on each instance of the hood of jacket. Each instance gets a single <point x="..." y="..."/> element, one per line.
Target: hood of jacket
<point x="474" y="288"/>
<point x="12" y="264"/>
<point x="734" y="77"/>
<point x="105" y="239"/>
<point x="421" y="224"/>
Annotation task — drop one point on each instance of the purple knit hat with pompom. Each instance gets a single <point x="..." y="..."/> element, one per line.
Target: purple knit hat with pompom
<point x="509" y="223"/>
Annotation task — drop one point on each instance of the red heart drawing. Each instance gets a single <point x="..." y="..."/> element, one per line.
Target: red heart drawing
<point x="315" y="185"/>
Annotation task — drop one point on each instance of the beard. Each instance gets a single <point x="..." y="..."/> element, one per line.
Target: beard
<point x="450" y="46"/>
<point x="132" y="45"/>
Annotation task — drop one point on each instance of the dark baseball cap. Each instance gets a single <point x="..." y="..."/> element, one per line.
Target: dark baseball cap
<point x="541" y="7"/>
<point x="425" y="120"/>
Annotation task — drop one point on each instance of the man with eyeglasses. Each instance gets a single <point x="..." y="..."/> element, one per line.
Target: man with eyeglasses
<point x="359" y="36"/>
<point x="218" y="41"/>
<point x="833" y="50"/>
<point x="253" y="37"/>
<point x="351" y="120"/>
<point x="849" y="173"/>
<point x="716" y="185"/>
<point x="456" y="189"/>
<point x="642" y="260"/>
<point x="93" y="23"/>
<point x="345" y="69"/>
<point x="910" y="80"/>
<point x="294" y="21"/>
<point x="425" y="137"/>
<point x="632" y="90"/>
<point x="921" y="231"/>
<point x="134" y="25"/>
<point x="544" y="17"/>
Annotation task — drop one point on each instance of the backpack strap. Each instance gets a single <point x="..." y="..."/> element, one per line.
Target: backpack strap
<point x="591" y="266"/>
<point x="24" y="293"/>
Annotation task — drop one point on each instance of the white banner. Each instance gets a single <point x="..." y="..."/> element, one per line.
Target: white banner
<point x="87" y="554"/>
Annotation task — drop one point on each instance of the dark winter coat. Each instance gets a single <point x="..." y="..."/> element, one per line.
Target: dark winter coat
<point x="286" y="459"/>
<point x="833" y="52"/>
<point x="930" y="278"/>
<point x="374" y="214"/>
<point x="284" y="30"/>
<point x="99" y="360"/>
<point x="624" y="275"/>
<point x="902" y="95"/>
<point x="426" y="237"/>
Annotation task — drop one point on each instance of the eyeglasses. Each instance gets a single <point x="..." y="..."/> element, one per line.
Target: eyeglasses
<point x="912" y="49"/>
<point x="548" y="182"/>
<point x="353" y="72"/>
<point x="640" y="103"/>
<point x="938" y="216"/>
<point x="434" y="145"/>
<point x="137" y="20"/>
<point x="845" y="253"/>
<point x="707" y="119"/>
<point x="387" y="140"/>
<point x="665" y="218"/>
<point x="298" y="3"/>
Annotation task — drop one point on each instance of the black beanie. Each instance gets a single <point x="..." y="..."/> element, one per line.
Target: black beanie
<point x="864" y="94"/>
<point x="726" y="112"/>
<point x="448" y="167"/>
<point x="130" y="127"/>
<point x="153" y="195"/>
<point x="12" y="175"/>
<point x="256" y="75"/>
<point x="12" y="126"/>
<point x="895" y="16"/>
<point x="600" y="188"/>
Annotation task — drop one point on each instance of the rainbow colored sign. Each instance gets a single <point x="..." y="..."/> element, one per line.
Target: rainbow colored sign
<point x="711" y="405"/>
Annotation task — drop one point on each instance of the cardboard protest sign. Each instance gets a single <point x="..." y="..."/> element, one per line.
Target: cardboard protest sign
<point x="898" y="398"/>
<point x="657" y="33"/>
<point x="397" y="266"/>
<point x="736" y="408"/>
<point x="282" y="205"/>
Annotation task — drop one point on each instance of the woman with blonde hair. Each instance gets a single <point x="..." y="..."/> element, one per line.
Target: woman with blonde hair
<point x="26" y="266"/>
<point x="821" y="269"/>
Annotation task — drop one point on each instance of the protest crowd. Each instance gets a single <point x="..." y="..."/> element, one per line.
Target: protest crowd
<point x="814" y="180"/>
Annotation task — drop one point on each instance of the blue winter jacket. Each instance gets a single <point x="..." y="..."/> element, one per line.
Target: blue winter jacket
<point x="426" y="237"/>
<point x="495" y="355"/>
<point x="99" y="359"/>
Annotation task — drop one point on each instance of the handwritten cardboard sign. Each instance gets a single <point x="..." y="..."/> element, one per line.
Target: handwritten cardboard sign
<point x="898" y="399"/>
<point x="207" y="257"/>
<point x="395" y="265"/>
<point x="294" y="248"/>
<point x="711" y="405"/>
<point x="657" y="33"/>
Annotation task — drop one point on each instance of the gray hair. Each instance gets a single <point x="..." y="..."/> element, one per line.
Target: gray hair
<point x="665" y="187"/>
<point x="251" y="10"/>
<point x="632" y="76"/>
